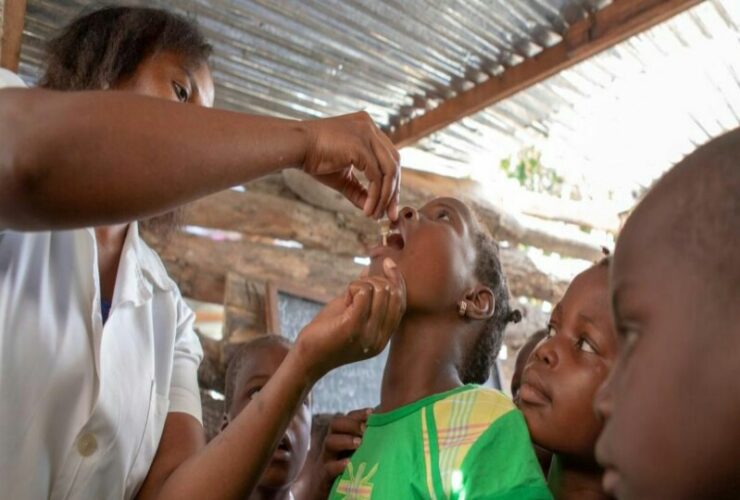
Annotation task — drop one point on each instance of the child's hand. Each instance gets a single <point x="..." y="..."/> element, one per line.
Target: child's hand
<point x="356" y="326"/>
<point x="344" y="437"/>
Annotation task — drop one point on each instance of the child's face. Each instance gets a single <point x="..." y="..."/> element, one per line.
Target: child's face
<point x="521" y="360"/>
<point x="288" y="459"/>
<point x="434" y="250"/>
<point x="672" y="403"/>
<point x="565" y="369"/>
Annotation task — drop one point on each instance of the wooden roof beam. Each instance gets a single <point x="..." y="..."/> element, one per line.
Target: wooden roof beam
<point x="12" y="16"/>
<point x="200" y="265"/>
<point x="585" y="38"/>
<point x="418" y="187"/>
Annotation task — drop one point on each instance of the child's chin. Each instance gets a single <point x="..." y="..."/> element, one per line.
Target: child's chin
<point x="276" y="475"/>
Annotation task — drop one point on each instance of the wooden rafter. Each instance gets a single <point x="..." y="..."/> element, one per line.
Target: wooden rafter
<point x="585" y="38"/>
<point x="12" y="15"/>
<point x="199" y="266"/>
<point x="420" y="187"/>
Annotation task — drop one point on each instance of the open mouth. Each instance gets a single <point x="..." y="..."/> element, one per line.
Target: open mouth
<point x="391" y="238"/>
<point x="394" y="239"/>
<point x="284" y="444"/>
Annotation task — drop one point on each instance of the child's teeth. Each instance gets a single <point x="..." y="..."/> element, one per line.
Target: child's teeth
<point x="385" y="230"/>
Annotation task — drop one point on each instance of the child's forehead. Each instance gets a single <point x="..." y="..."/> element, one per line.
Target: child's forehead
<point x="591" y="284"/>
<point x="668" y="251"/>
<point x="690" y="219"/>
<point x="261" y="356"/>
<point x="657" y="243"/>
<point x="453" y="203"/>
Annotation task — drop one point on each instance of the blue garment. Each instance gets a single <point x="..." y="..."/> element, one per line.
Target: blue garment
<point x="104" y="309"/>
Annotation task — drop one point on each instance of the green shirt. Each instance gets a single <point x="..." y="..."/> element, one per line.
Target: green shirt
<point x="468" y="443"/>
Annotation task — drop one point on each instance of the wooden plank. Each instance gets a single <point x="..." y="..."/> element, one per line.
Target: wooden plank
<point x="503" y="224"/>
<point x="200" y="266"/>
<point x="585" y="38"/>
<point x="245" y="307"/>
<point x="584" y="213"/>
<point x="420" y="187"/>
<point x="12" y="16"/>
<point x="275" y="216"/>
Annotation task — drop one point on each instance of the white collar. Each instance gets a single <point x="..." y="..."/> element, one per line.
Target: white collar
<point x="141" y="263"/>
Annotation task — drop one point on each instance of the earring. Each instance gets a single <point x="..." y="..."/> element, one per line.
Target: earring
<point x="463" y="308"/>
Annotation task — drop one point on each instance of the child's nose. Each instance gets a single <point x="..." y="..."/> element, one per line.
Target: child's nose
<point x="407" y="213"/>
<point x="547" y="353"/>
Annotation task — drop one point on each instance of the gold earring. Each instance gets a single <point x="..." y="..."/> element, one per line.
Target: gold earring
<point x="463" y="308"/>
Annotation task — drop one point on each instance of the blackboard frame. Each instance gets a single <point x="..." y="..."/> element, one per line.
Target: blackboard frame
<point x="274" y="288"/>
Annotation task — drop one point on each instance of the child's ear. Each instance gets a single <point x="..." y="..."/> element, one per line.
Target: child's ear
<point x="480" y="303"/>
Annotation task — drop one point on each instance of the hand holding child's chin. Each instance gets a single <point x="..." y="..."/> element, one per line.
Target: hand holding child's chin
<point x="355" y="326"/>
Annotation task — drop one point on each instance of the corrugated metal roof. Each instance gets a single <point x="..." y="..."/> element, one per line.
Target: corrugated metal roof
<point x="616" y="121"/>
<point x="321" y="57"/>
<point x="315" y="58"/>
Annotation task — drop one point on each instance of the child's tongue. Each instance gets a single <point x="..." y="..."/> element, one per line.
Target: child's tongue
<point x="395" y="240"/>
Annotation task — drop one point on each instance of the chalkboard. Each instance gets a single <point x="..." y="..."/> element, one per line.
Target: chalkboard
<point x="348" y="387"/>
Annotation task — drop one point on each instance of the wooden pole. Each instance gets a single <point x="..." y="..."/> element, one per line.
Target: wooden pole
<point x="12" y="16"/>
<point x="599" y="31"/>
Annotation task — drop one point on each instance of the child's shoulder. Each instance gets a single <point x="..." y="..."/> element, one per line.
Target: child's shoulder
<point x="478" y="404"/>
<point x="484" y="397"/>
<point x="494" y="399"/>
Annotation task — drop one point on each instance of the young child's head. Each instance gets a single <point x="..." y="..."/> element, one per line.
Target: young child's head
<point x="453" y="274"/>
<point x="522" y="357"/>
<point x="672" y="404"/>
<point x="249" y="370"/>
<point x="565" y="369"/>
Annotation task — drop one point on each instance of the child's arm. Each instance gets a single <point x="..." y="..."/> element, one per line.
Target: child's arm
<point x="348" y="329"/>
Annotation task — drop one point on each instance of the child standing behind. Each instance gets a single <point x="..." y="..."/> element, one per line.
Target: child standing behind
<point x="249" y="370"/>
<point x="560" y="380"/>
<point x="435" y="433"/>
<point x="672" y="404"/>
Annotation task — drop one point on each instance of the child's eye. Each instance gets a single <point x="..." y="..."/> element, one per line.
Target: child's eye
<point x="629" y="338"/>
<point x="585" y="346"/>
<point x="443" y="215"/>
<point x="253" y="392"/>
<point x="550" y="332"/>
<point x="180" y="91"/>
